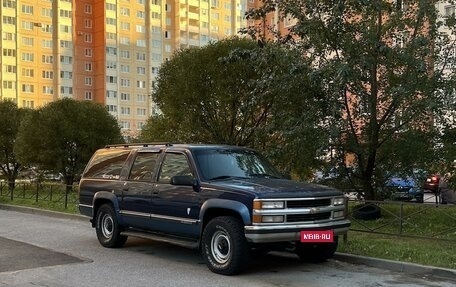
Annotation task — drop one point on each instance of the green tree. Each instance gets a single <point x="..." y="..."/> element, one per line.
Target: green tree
<point x="10" y="120"/>
<point x="61" y="136"/>
<point x="235" y="91"/>
<point x="378" y="65"/>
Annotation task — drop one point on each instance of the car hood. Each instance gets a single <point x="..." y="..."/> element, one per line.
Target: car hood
<point x="276" y="188"/>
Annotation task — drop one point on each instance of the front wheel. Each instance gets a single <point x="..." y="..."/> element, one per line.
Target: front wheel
<point x="224" y="247"/>
<point x="107" y="227"/>
<point x="316" y="252"/>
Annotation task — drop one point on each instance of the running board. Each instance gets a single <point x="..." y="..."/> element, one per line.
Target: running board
<point x="193" y="244"/>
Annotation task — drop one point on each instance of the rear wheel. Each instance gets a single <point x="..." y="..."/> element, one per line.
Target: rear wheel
<point x="316" y="252"/>
<point x="224" y="247"/>
<point x="107" y="227"/>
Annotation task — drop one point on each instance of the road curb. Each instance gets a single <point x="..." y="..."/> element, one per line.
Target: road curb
<point x="31" y="210"/>
<point x="398" y="266"/>
<point x="395" y="266"/>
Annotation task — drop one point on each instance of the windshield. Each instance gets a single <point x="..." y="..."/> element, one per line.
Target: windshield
<point x="217" y="164"/>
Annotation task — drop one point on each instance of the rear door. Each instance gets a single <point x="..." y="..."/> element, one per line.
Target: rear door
<point x="138" y="189"/>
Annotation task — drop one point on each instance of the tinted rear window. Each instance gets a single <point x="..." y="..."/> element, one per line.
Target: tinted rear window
<point x="107" y="164"/>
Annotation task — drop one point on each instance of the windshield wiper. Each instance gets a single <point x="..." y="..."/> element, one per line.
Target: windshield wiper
<point x="265" y="175"/>
<point x="225" y="177"/>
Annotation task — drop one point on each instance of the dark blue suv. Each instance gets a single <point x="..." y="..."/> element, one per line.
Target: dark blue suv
<point x="226" y="201"/>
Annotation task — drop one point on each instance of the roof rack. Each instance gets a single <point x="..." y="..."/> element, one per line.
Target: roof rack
<point x="139" y="144"/>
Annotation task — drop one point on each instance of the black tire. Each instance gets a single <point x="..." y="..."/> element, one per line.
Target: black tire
<point x="367" y="211"/>
<point x="316" y="252"/>
<point x="107" y="227"/>
<point x="224" y="247"/>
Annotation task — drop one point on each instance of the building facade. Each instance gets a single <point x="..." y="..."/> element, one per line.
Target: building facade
<point x="106" y="51"/>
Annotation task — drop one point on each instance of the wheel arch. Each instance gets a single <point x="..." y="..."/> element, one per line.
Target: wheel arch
<point x="104" y="197"/>
<point x="222" y="207"/>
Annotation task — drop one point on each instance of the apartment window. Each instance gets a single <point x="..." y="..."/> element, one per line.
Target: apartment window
<point x="9" y="36"/>
<point x="155" y="29"/>
<point x="88" y="38"/>
<point x="111" y="36"/>
<point x="111" y="94"/>
<point x="27" y="41"/>
<point x="47" y="59"/>
<point x="227" y="18"/>
<point x="215" y="3"/>
<point x="111" y="21"/>
<point x="66" y="75"/>
<point x="88" y="9"/>
<point x="156" y="57"/>
<point x="88" y="66"/>
<point x="28" y="72"/>
<point x="167" y="35"/>
<point x="111" y="79"/>
<point x="125" y="26"/>
<point x="9" y="52"/>
<point x="156" y="43"/>
<point x="111" y="65"/>
<point x="141" y="125"/>
<point x="124" y="11"/>
<point x="46" y="28"/>
<point x="48" y="90"/>
<point x="111" y="7"/>
<point x="27" y="25"/>
<point x="140" y="14"/>
<point x="27" y="9"/>
<point x="228" y="6"/>
<point x="65" y="44"/>
<point x="111" y="108"/>
<point x="140" y="98"/>
<point x="156" y="2"/>
<point x="215" y="16"/>
<point x="141" y="84"/>
<point x="28" y="104"/>
<point x="155" y="15"/>
<point x="87" y="23"/>
<point x="88" y="52"/>
<point x="66" y="90"/>
<point x="9" y="4"/>
<point x="140" y="56"/>
<point x="9" y="20"/>
<point x="124" y="125"/>
<point x="28" y="88"/>
<point x="124" y="110"/>
<point x="46" y="44"/>
<point x="214" y="28"/>
<point x="168" y="21"/>
<point x="88" y="95"/>
<point x="124" y="96"/>
<point x="111" y="51"/>
<point x="46" y="12"/>
<point x="28" y="57"/>
<point x="65" y="28"/>
<point x="124" y="82"/>
<point x="141" y="70"/>
<point x="88" y="81"/>
<point x="125" y="54"/>
<point x="140" y="43"/>
<point x="140" y="1"/>
<point x="66" y="59"/>
<point x="125" y="68"/>
<point x="141" y="112"/>
<point x="140" y="29"/>
<point x="65" y="13"/>
<point x="48" y="75"/>
<point x="155" y="70"/>
<point x="168" y="48"/>
<point x="10" y="69"/>
<point x="124" y="40"/>
<point x="9" y="85"/>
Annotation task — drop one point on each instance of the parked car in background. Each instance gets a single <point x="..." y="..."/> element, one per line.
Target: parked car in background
<point x="432" y="183"/>
<point x="403" y="189"/>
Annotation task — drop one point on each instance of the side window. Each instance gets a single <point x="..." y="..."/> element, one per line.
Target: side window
<point x="107" y="164"/>
<point x="144" y="167"/>
<point x="174" y="164"/>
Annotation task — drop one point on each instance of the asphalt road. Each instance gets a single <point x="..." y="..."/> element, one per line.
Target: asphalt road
<point x="37" y="250"/>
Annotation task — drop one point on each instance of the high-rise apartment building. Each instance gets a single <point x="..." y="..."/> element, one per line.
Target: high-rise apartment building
<point x="105" y="51"/>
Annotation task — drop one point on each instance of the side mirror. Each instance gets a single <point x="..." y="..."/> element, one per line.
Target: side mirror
<point x="186" y="180"/>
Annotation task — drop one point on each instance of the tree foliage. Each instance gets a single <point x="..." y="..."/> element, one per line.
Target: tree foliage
<point x="61" y="136"/>
<point x="239" y="92"/>
<point x="378" y="65"/>
<point x="10" y="120"/>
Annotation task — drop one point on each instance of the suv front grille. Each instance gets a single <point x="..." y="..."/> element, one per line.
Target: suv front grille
<point x="308" y="203"/>
<point x="308" y="217"/>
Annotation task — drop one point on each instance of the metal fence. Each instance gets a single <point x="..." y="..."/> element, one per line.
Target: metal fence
<point x="407" y="219"/>
<point x="36" y="191"/>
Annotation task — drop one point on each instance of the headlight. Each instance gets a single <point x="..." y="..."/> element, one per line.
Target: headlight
<point x="338" y="201"/>
<point x="268" y="204"/>
<point x="337" y="214"/>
